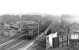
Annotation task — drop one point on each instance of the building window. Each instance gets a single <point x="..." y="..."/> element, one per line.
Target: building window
<point x="74" y="36"/>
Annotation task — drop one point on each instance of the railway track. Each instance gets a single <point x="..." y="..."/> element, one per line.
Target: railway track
<point x="10" y="43"/>
<point x="3" y="40"/>
<point x="20" y="45"/>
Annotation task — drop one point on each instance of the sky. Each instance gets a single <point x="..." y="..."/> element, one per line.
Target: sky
<point x="54" y="7"/>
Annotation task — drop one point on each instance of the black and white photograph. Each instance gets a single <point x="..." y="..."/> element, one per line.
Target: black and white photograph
<point x="39" y="25"/>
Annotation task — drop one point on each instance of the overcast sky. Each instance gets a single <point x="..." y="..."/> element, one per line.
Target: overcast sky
<point x="54" y="7"/>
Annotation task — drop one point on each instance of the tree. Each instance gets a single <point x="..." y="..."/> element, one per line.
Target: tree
<point x="9" y="19"/>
